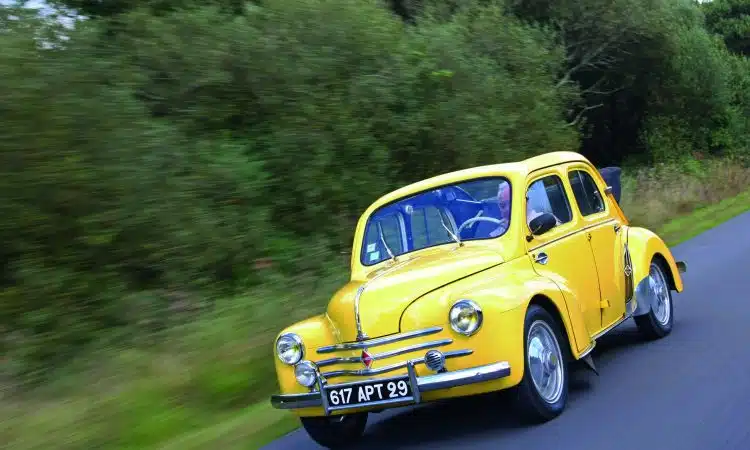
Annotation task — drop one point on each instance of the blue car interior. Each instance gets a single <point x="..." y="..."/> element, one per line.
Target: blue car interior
<point x="412" y="213"/>
<point x="399" y="219"/>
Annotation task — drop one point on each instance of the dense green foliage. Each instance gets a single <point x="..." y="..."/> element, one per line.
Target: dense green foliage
<point x="157" y="156"/>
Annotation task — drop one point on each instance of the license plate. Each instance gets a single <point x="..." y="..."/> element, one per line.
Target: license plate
<point x="375" y="391"/>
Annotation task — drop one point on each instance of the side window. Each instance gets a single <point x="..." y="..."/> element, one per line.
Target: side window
<point x="392" y="233"/>
<point x="547" y="195"/>
<point x="588" y="197"/>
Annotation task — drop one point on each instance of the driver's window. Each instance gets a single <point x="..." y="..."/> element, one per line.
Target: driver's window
<point x="547" y="195"/>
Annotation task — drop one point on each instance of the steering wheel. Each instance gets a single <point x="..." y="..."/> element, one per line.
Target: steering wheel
<point x="477" y="219"/>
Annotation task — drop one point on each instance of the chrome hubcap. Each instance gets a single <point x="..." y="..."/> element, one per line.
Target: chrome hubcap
<point x="545" y="361"/>
<point x="660" y="293"/>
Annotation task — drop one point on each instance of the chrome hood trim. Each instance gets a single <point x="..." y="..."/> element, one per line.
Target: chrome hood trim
<point x="361" y="335"/>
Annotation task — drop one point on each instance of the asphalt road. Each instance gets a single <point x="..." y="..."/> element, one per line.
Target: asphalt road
<point x="690" y="390"/>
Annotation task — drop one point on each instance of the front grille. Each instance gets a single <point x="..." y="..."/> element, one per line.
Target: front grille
<point x="392" y="353"/>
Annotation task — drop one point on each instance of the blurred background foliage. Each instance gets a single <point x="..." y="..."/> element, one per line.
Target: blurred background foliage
<point x="183" y="177"/>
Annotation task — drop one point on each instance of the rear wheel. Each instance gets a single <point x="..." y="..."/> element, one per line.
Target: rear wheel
<point x="543" y="392"/>
<point x="335" y="431"/>
<point x="658" y="322"/>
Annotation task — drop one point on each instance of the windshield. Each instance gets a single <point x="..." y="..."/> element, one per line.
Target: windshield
<point x="472" y="210"/>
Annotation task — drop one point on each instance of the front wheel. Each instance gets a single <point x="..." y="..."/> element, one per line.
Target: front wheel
<point x="658" y="322"/>
<point x="335" y="431"/>
<point x="543" y="392"/>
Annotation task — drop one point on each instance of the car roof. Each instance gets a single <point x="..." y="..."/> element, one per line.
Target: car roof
<point x="520" y="168"/>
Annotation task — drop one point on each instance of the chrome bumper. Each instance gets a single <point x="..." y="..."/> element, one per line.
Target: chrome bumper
<point x="419" y="385"/>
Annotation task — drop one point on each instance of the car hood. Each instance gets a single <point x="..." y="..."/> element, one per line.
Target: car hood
<point x="386" y="293"/>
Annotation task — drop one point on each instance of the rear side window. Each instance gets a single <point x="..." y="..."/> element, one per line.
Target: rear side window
<point x="586" y="192"/>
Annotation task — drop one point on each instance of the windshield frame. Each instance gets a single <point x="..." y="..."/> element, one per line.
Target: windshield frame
<point x="444" y="211"/>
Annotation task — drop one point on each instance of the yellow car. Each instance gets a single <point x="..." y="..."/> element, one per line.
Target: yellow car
<point x="495" y="277"/>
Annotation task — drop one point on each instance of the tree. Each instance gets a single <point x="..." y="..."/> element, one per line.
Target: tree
<point x="731" y="20"/>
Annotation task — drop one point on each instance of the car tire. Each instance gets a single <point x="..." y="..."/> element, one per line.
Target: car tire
<point x="334" y="432"/>
<point x="657" y="323"/>
<point x="537" y="401"/>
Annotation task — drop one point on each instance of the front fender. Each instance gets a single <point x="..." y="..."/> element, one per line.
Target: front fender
<point x="502" y="292"/>
<point x="316" y="332"/>
<point x="645" y="245"/>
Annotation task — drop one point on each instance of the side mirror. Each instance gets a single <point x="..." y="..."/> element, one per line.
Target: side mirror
<point x="542" y="223"/>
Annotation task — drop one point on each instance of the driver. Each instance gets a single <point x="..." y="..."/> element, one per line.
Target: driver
<point x="503" y="203"/>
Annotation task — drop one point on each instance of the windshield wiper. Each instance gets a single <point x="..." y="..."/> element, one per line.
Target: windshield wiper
<point x="453" y="236"/>
<point x="382" y="239"/>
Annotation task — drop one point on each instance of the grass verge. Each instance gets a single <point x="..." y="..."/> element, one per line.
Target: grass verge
<point x="686" y="227"/>
<point x="188" y="387"/>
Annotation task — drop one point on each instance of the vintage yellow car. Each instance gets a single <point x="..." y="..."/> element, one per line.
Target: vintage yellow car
<point x="495" y="277"/>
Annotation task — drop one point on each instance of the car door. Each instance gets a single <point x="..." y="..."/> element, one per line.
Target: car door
<point x="563" y="253"/>
<point x="602" y="229"/>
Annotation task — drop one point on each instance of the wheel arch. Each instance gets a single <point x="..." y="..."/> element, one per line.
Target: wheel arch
<point x="667" y="269"/>
<point x="645" y="246"/>
<point x="551" y="307"/>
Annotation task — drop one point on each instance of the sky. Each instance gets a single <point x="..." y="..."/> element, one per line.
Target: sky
<point x="45" y="9"/>
<point x="30" y="3"/>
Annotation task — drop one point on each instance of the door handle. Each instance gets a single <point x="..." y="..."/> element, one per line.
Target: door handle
<point x="617" y="227"/>
<point x="541" y="258"/>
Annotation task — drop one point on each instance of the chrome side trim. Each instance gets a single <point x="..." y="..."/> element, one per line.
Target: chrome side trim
<point x="612" y="327"/>
<point x="392" y="367"/>
<point x="419" y="385"/>
<point x="588" y="350"/>
<point x="384" y="355"/>
<point x="598" y="335"/>
<point x="379" y="341"/>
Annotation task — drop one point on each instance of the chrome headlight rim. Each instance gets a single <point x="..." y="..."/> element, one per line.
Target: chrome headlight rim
<point x="309" y="365"/>
<point x="298" y="341"/>
<point x="477" y="311"/>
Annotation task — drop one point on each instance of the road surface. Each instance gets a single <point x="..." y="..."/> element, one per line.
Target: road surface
<point x="688" y="391"/>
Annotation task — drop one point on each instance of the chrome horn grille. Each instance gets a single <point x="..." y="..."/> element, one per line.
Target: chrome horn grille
<point x="381" y="341"/>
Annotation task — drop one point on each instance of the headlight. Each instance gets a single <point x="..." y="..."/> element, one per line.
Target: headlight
<point x="465" y="317"/>
<point x="289" y="348"/>
<point x="305" y="373"/>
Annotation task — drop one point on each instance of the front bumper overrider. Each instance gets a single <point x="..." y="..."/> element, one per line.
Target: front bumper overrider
<point x="419" y="385"/>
